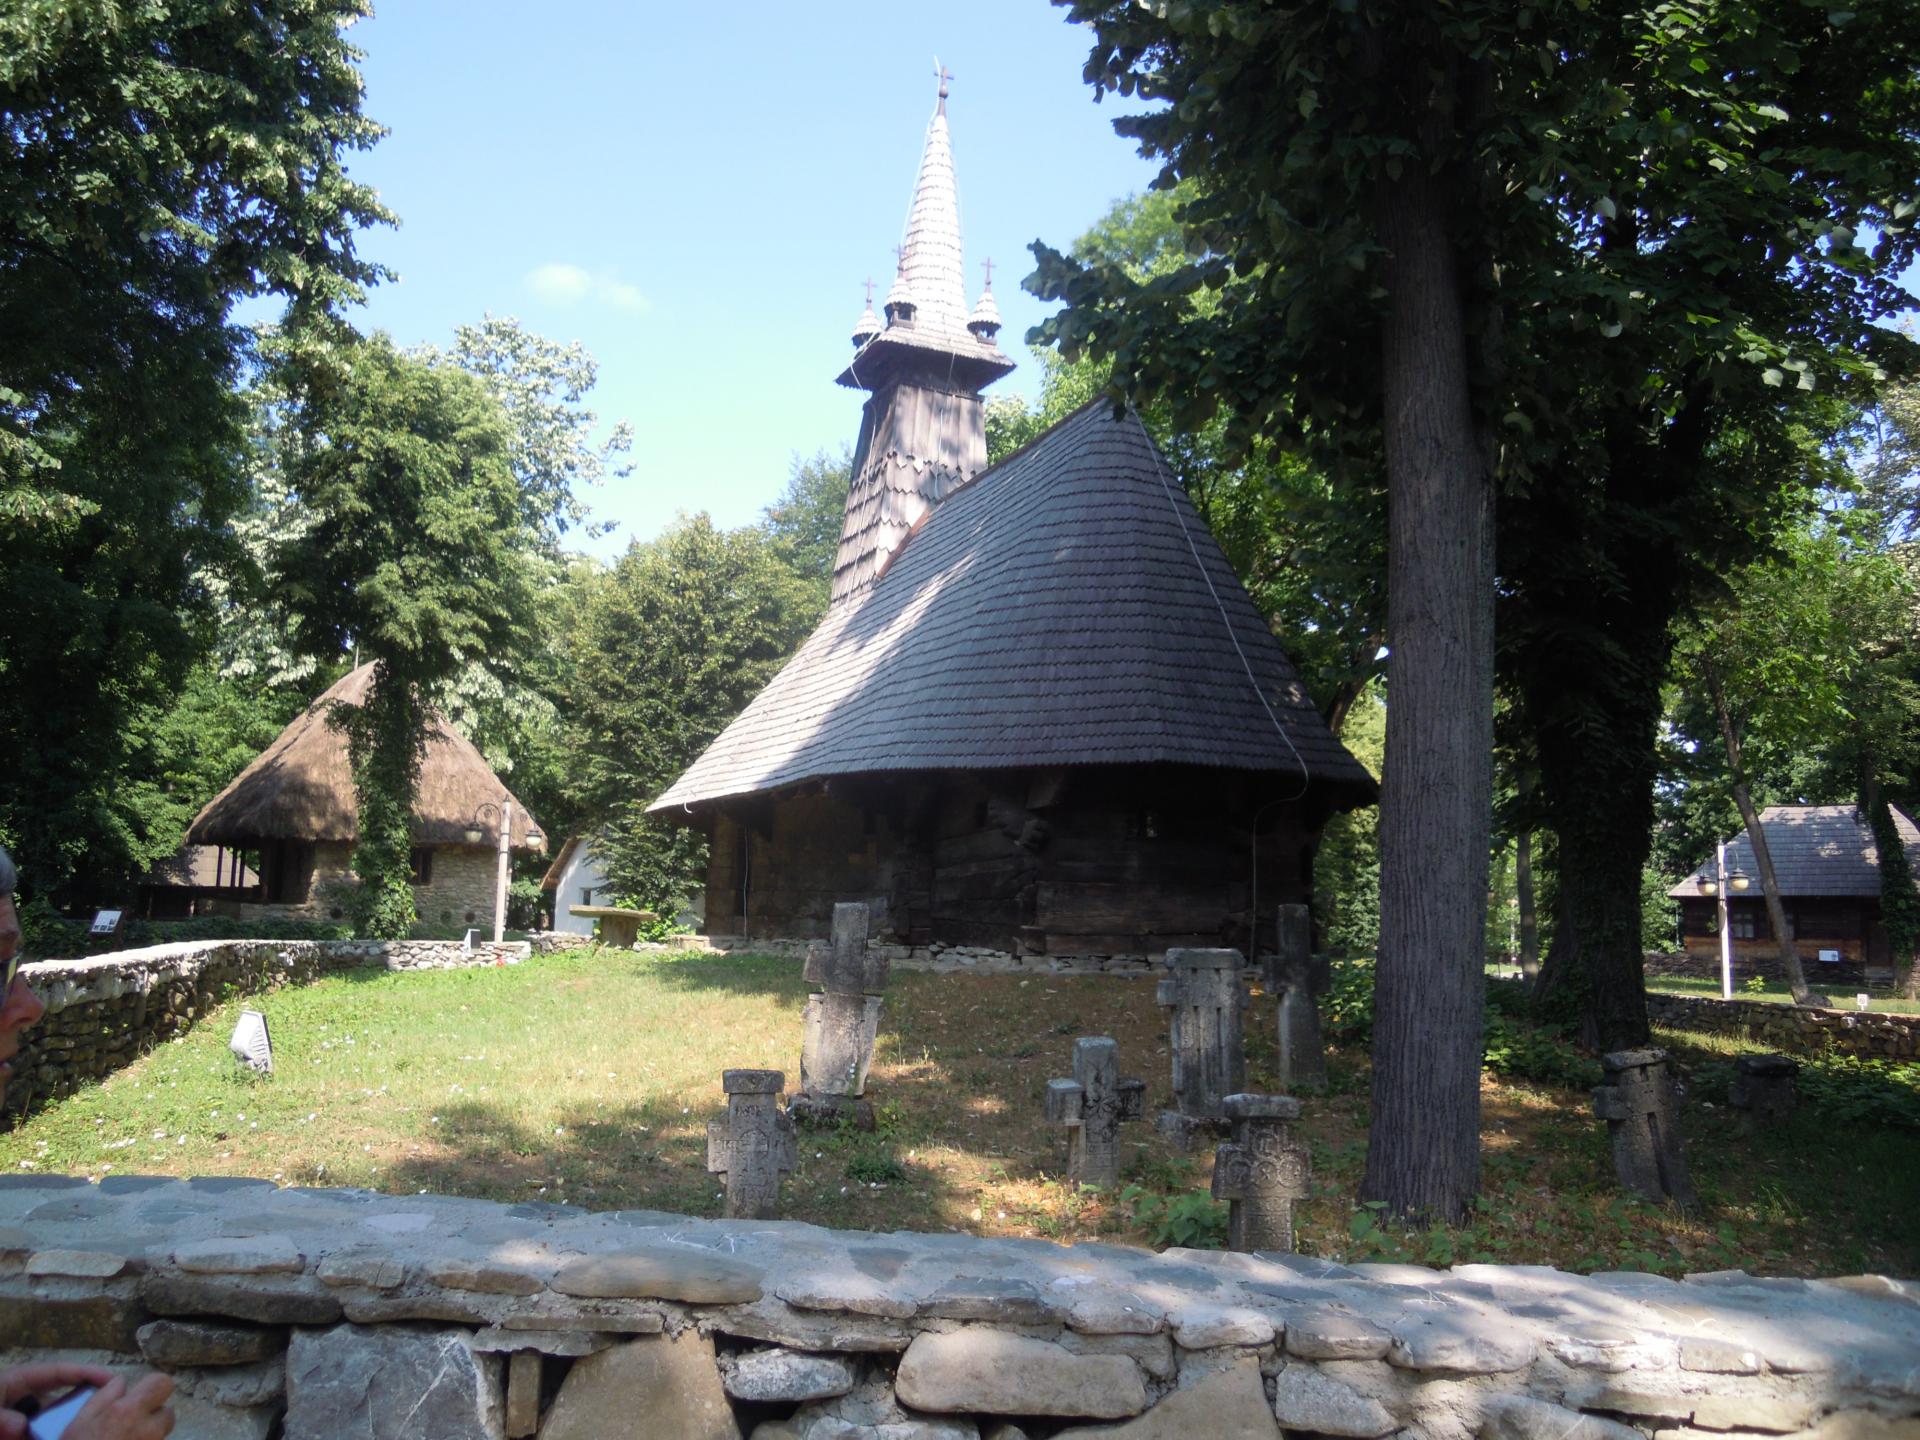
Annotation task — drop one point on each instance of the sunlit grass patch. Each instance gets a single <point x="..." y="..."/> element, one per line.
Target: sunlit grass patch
<point x="589" y="1077"/>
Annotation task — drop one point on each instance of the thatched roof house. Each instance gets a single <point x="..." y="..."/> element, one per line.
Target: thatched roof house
<point x="1827" y="863"/>
<point x="1041" y="713"/>
<point x="294" y="807"/>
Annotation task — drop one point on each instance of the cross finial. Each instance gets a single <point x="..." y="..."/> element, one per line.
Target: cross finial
<point x="943" y="75"/>
<point x="987" y="265"/>
<point x="899" y="257"/>
<point x="869" y="292"/>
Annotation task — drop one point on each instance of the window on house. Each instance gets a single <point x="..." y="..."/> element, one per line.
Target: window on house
<point x="1742" y="926"/>
<point x="586" y="895"/>
<point x="422" y="862"/>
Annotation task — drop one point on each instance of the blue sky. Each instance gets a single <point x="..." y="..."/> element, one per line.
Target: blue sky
<point x="696" y="192"/>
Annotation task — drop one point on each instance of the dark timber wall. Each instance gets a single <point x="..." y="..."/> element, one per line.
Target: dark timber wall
<point x="1112" y="860"/>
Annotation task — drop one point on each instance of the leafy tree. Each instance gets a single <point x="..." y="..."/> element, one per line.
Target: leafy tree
<point x="672" y="643"/>
<point x="1642" y="239"/>
<point x="1809" y="651"/>
<point x="157" y="163"/>
<point x="804" y="523"/>
<point x="1337" y="164"/>
<point x="414" y="558"/>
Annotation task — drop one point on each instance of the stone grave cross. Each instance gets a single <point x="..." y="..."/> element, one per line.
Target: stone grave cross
<point x="842" y="1021"/>
<point x="1205" y="997"/>
<point x="754" y="1146"/>
<point x="1261" y="1172"/>
<point x="1298" y="978"/>
<point x="1638" y="1104"/>
<point x="1092" y="1104"/>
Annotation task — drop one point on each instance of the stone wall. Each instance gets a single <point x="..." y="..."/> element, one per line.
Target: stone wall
<point x="104" y="1012"/>
<point x="461" y="888"/>
<point x="1790" y="1029"/>
<point x="313" y="1314"/>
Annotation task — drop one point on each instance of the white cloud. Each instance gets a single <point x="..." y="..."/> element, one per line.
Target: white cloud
<point x="564" y="284"/>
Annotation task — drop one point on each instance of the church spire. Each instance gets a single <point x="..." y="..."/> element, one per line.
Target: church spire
<point x="923" y="430"/>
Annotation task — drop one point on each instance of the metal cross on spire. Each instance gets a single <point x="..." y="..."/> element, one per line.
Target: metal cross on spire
<point x="987" y="265"/>
<point x="869" y="284"/>
<point x="943" y="75"/>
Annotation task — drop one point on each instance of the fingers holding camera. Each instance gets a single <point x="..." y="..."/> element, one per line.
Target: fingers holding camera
<point x="120" y="1412"/>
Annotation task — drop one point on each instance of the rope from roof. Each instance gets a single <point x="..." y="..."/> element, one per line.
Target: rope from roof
<point x="1166" y="487"/>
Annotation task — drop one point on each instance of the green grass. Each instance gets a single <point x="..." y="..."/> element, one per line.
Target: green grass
<point x="589" y="1076"/>
<point x="1775" y="993"/>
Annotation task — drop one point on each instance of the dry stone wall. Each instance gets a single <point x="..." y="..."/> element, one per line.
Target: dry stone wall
<point x="313" y="1314"/>
<point x="1865" y="1033"/>
<point x="104" y="1012"/>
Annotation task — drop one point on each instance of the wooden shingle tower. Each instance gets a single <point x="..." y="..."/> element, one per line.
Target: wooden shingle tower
<point x="923" y="431"/>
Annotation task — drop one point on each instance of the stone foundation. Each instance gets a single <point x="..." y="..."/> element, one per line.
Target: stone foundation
<point x="105" y="1012"/>
<point x="337" y="1312"/>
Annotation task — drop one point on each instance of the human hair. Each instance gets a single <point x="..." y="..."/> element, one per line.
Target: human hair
<point x="9" y="877"/>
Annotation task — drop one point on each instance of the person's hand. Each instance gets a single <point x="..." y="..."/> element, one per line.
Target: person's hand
<point x="42" y="1383"/>
<point x="120" y="1413"/>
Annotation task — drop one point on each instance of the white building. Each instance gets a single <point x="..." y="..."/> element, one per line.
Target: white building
<point x="575" y="878"/>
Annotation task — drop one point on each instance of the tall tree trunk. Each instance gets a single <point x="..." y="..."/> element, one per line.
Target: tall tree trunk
<point x="1423" y="1152"/>
<point x="1529" y="913"/>
<point x="1789" y="953"/>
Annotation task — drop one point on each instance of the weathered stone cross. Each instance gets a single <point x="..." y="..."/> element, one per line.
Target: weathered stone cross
<point x="1637" y="1102"/>
<point x="1261" y="1172"/>
<point x="1092" y="1104"/>
<point x="1205" y="997"/>
<point x="842" y="1021"/>
<point x="1298" y="978"/>
<point x="754" y="1146"/>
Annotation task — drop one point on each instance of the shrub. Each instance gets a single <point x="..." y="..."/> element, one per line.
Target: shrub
<point x="1192" y="1221"/>
<point x="1346" y="1010"/>
<point x="1539" y="1053"/>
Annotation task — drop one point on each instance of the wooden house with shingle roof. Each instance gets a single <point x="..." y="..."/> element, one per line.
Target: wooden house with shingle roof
<point x="1041" y="712"/>
<point x="1828" y="866"/>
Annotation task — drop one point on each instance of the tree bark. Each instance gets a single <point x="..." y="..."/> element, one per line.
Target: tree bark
<point x="1803" y="994"/>
<point x="1423" y="1152"/>
<point x="1529" y="913"/>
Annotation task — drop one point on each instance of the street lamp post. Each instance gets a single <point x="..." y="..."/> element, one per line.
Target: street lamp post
<point x="1717" y="884"/>
<point x="475" y="833"/>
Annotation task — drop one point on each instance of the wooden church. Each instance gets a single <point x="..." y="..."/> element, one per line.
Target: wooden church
<point x="1041" y="713"/>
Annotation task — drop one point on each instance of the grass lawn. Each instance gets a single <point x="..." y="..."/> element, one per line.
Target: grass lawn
<point x="589" y="1077"/>
<point x="1775" y="993"/>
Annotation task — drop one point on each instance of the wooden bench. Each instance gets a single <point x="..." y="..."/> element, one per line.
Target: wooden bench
<point x="618" y="926"/>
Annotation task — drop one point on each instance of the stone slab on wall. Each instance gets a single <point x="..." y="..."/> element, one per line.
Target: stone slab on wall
<point x="105" y="1011"/>
<point x="324" y="1309"/>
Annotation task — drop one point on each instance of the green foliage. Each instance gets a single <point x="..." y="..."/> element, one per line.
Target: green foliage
<point x="671" y="644"/>
<point x="1346" y="866"/>
<point x="804" y="523"/>
<point x="1346" y="1009"/>
<point x="1754" y="985"/>
<point x="47" y="935"/>
<point x="412" y="556"/>
<point x="525" y="902"/>
<point x="161" y="162"/>
<point x="1841" y="1088"/>
<point x="1541" y="1053"/>
<point x="1899" y="898"/>
<point x="873" y="1162"/>
<point x="1192" y="1220"/>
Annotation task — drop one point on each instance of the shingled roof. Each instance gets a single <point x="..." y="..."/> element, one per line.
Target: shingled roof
<point x="1816" y="850"/>
<point x="1059" y="609"/>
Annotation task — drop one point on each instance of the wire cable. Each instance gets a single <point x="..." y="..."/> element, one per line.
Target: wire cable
<point x="1166" y="486"/>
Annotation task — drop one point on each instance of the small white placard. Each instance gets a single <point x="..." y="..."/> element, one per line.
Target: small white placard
<point x="105" y="922"/>
<point x="1829" y="957"/>
<point x="1860" y="1002"/>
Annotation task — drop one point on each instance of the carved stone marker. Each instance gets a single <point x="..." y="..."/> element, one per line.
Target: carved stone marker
<point x="1638" y="1104"/>
<point x="1092" y="1104"/>
<point x="841" y="1022"/>
<point x="1261" y="1172"/>
<point x="1205" y="997"/>
<point x="1298" y="978"/>
<point x="1765" y="1089"/>
<point x="753" y="1147"/>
